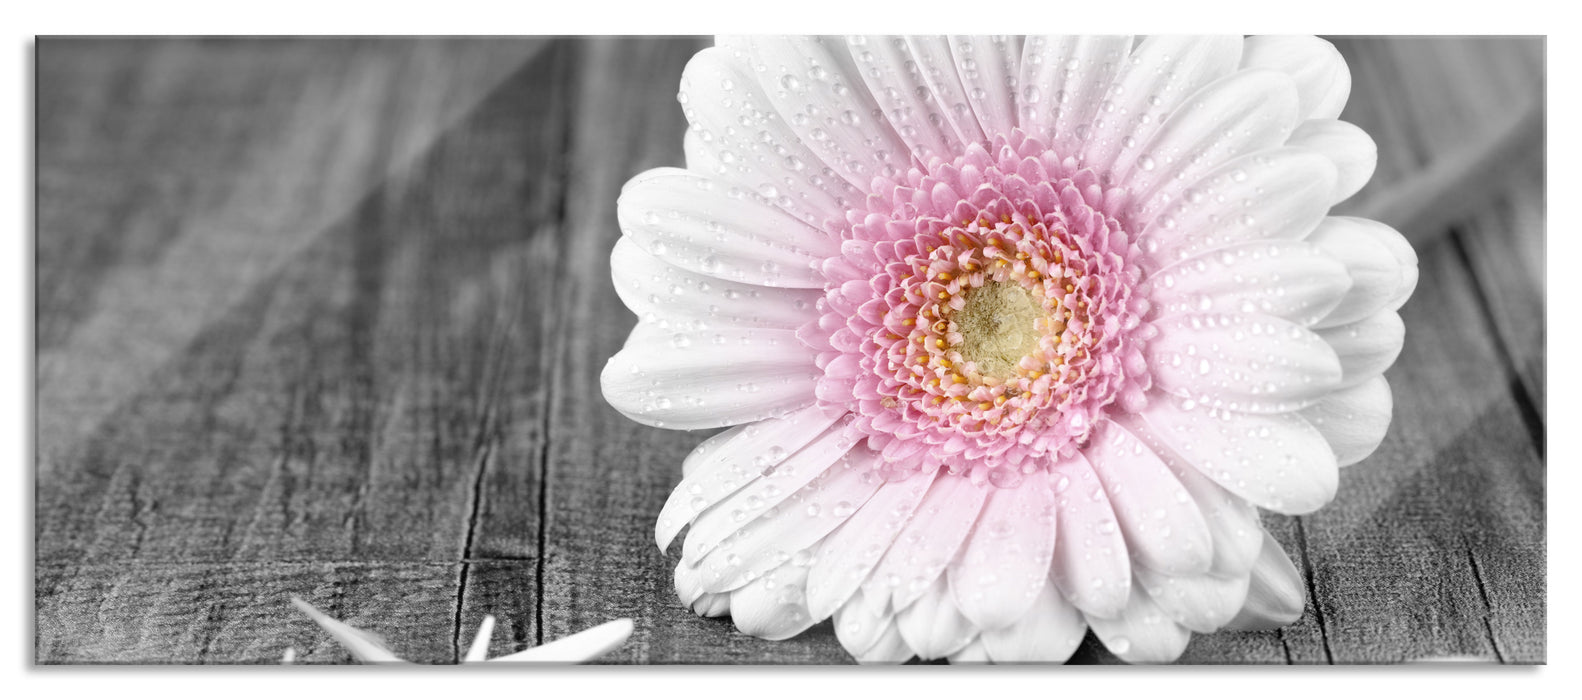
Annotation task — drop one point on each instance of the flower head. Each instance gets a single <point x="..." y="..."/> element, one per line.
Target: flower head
<point x="1017" y="334"/>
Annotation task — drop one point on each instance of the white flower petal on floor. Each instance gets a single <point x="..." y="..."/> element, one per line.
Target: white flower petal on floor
<point x="1017" y="335"/>
<point x="581" y="647"/>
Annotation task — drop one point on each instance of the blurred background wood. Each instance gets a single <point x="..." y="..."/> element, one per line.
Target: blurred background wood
<point x="325" y="318"/>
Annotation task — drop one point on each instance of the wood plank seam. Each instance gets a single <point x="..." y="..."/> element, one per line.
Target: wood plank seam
<point x="1312" y="590"/>
<point x="1483" y="593"/>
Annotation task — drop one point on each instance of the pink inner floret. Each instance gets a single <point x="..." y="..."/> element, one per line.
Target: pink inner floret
<point x="1040" y="238"/>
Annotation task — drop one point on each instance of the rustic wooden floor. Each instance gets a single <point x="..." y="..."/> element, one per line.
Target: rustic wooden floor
<point x="325" y="318"/>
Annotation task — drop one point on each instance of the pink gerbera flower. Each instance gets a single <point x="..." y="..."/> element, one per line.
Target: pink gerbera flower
<point x="1017" y="334"/>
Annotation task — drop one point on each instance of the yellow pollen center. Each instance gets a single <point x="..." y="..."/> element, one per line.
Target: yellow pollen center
<point x="999" y="324"/>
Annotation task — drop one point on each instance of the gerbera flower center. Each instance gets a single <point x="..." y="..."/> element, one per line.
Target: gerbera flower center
<point x="1000" y="324"/>
<point x="985" y="309"/>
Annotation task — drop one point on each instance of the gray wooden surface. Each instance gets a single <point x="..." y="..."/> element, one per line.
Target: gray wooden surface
<point x="325" y="318"/>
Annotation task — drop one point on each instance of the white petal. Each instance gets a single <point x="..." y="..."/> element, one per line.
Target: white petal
<point x="848" y="555"/>
<point x="934" y="59"/>
<point x="862" y="622"/>
<point x="890" y="649"/>
<point x="364" y="646"/>
<point x="1274" y="597"/>
<point x="1143" y="633"/>
<point x="929" y="541"/>
<point x="1368" y="347"/>
<point x="689" y="589"/>
<point x="773" y="606"/>
<point x="896" y="80"/>
<point x="1320" y="72"/>
<point x="693" y="222"/>
<point x="753" y="500"/>
<point x="1202" y="603"/>
<point x="1353" y="420"/>
<point x="689" y="583"/>
<point x="1241" y="113"/>
<point x="1232" y="521"/>
<point x="1162" y="72"/>
<point x="1279" y="194"/>
<point x="988" y="68"/>
<point x="657" y="291"/>
<point x="1246" y="362"/>
<point x="1049" y="632"/>
<point x="973" y="653"/>
<point x="1278" y="461"/>
<point x="1091" y="567"/>
<point x="689" y="380"/>
<point x="586" y="645"/>
<point x="1293" y="280"/>
<point x="797" y="524"/>
<point x="1073" y="75"/>
<point x="1163" y="528"/>
<point x="1382" y="265"/>
<point x="728" y="461"/>
<point x="814" y="86"/>
<point x="1005" y="561"/>
<point x="479" y="650"/>
<point x="712" y="605"/>
<point x="1344" y="144"/>
<point x="932" y="625"/>
<point x="700" y="156"/>
<point x="735" y="121"/>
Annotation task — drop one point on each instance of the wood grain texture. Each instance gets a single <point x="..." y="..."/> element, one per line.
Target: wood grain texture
<point x="325" y="318"/>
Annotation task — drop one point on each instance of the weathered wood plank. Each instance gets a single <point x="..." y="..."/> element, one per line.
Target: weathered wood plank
<point x="239" y="613"/>
<point x="365" y="394"/>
